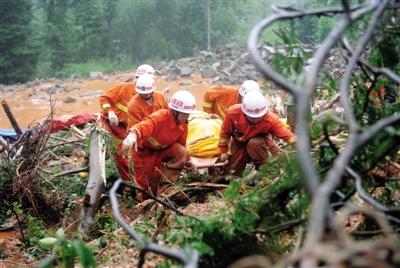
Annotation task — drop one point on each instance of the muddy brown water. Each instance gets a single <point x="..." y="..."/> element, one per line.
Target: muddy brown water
<point x="7" y="234"/>
<point x="27" y="107"/>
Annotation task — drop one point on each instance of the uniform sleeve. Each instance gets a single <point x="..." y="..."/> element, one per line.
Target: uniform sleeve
<point x="208" y="102"/>
<point x="105" y="103"/>
<point x="225" y="133"/>
<point x="145" y="128"/>
<point x="109" y="98"/>
<point x="279" y="130"/>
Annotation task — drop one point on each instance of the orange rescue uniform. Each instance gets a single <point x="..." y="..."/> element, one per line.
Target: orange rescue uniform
<point x="219" y="98"/>
<point x="138" y="108"/>
<point x="248" y="140"/>
<point x="160" y="139"/>
<point x="117" y="99"/>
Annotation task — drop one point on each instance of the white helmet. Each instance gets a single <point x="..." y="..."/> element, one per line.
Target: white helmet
<point x="254" y="105"/>
<point x="145" y="84"/>
<point x="248" y="86"/>
<point x="183" y="101"/>
<point x="144" y="69"/>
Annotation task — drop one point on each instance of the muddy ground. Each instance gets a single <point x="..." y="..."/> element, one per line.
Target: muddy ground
<point x="32" y="103"/>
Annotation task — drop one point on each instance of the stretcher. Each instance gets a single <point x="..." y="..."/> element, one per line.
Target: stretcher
<point x="202" y="141"/>
<point x="203" y="137"/>
<point x="208" y="162"/>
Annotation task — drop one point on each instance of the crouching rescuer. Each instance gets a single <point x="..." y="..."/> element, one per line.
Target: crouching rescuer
<point x="246" y="127"/>
<point x="158" y="145"/>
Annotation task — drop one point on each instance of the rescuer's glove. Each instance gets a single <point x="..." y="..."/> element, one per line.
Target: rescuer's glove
<point x="113" y="118"/>
<point x="129" y="143"/>
<point x="223" y="157"/>
<point x="190" y="166"/>
<point x="280" y="109"/>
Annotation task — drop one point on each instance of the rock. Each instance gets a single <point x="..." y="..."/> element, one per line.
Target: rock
<point x="208" y="73"/>
<point x="96" y="75"/>
<point x="69" y="100"/>
<point x="185" y="71"/>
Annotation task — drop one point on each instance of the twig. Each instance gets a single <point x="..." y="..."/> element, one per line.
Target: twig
<point x="67" y="141"/>
<point x="160" y="227"/>
<point x="78" y="132"/>
<point x="43" y="177"/>
<point x="207" y="184"/>
<point x="172" y="183"/>
<point x="69" y="172"/>
<point x="394" y="164"/>
<point x="19" y="223"/>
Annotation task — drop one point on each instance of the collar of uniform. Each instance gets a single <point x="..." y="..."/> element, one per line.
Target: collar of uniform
<point x="172" y="124"/>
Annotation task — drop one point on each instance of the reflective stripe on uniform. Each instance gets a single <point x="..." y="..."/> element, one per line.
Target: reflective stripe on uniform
<point x="223" y="141"/>
<point x="221" y="111"/>
<point x="106" y="105"/>
<point x="121" y="107"/>
<point x="207" y="104"/>
<point x="155" y="143"/>
<point x="293" y="140"/>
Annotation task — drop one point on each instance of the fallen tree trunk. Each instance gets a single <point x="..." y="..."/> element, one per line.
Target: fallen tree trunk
<point x="96" y="183"/>
<point x="11" y="117"/>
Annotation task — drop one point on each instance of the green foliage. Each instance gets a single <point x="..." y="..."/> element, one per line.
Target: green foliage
<point x="16" y="208"/>
<point x="19" y="50"/>
<point x="80" y="36"/>
<point x="105" y="223"/>
<point x="84" y="69"/>
<point x="66" y="252"/>
<point x="245" y="220"/>
<point x="3" y="254"/>
<point x="323" y="27"/>
<point x="35" y="232"/>
<point x="312" y="29"/>
<point x="6" y="171"/>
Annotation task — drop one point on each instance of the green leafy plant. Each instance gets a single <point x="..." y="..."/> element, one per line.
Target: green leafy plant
<point x="65" y="252"/>
<point x="248" y="221"/>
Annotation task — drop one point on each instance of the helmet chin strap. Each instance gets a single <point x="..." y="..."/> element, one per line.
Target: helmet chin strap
<point x="176" y="114"/>
<point x="239" y="99"/>
<point x="149" y="99"/>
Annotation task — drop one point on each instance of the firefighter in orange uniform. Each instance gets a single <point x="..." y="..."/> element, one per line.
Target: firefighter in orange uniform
<point x="146" y="102"/>
<point x="158" y="145"/>
<point x="114" y="117"/>
<point x="218" y="99"/>
<point x="246" y="126"/>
